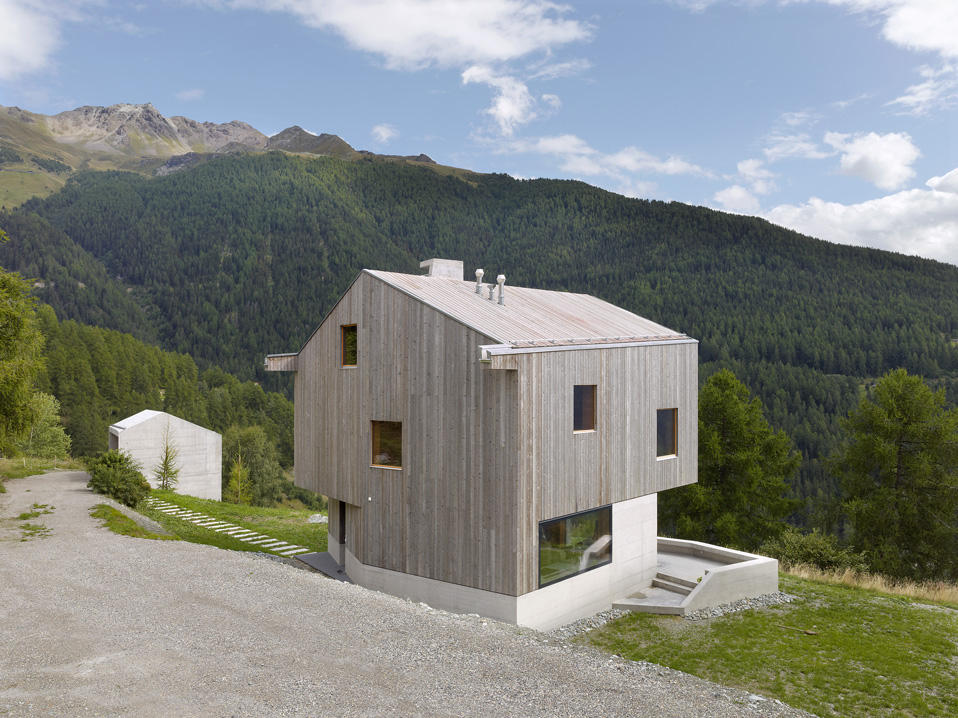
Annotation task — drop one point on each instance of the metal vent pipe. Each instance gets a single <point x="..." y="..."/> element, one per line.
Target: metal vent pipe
<point x="501" y="281"/>
<point x="479" y="274"/>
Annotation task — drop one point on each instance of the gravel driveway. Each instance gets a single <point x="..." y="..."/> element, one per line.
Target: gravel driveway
<point x="92" y="623"/>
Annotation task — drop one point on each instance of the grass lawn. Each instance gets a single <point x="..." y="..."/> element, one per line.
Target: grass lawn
<point x="284" y="524"/>
<point x="119" y="523"/>
<point x="836" y="651"/>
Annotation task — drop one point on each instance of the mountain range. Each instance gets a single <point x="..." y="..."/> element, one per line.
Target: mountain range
<point x="38" y="153"/>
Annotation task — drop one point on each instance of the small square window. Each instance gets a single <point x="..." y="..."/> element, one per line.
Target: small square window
<point x="666" y="435"/>
<point x="584" y="407"/>
<point x="349" y="344"/>
<point x="387" y="444"/>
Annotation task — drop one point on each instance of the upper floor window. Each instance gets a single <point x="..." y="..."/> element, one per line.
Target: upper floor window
<point x="667" y="443"/>
<point x="583" y="407"/>
<point x="387" y="444"/>
<point x="350" y="350"/>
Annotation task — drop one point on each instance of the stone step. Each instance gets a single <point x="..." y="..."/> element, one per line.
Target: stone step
<point x="670" y="586"/>
<point x="647" y="605"/>
<point x="681" y="581"/>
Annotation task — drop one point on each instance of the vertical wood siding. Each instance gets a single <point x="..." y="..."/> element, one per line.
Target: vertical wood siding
<point x="450" y="512"/>
<point x="563" y="472"/>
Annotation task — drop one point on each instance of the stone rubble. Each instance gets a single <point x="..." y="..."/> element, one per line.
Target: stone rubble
<point x="584" y="625"/>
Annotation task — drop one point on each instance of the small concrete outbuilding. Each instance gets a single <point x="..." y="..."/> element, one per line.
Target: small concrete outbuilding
<point x="199" y="450"/>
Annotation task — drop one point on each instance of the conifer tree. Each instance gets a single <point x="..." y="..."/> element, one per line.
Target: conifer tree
<point x="899" y="474"/>
<point x="741" y="498"/>
<point x="167" y="472"/>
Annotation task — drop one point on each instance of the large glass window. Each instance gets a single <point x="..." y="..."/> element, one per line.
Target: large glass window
<point x="583" y="400"/>
<point x="573" y="544"/>
<point x="666" y="436"/>
<point x="387" y="444"/>
<point x="349" y="343"/>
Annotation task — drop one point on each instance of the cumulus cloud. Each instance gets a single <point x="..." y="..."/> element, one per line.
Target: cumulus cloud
<point x="512" y="104"/>
<point x="190" y="95"/>
<point x="737" y="199"/>
<point x="415" y="34"/>
<point x="883" y="160"/>
<point x="921" y="222"/>
<point x="31" y="34"/>
<point x="384" y="133"/>
<point x="751" y="180"/>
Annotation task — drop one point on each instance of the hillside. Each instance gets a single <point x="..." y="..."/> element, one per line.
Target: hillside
<point x="243" y="255"/>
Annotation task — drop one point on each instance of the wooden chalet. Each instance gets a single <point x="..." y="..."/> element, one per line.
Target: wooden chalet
<point x="492" y="449"/>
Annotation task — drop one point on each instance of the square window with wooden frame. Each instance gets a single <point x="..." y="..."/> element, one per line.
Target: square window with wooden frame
<point x="350" y="347"/>
<point x="387" y="444"/>
<point x="583" y="400"/>
<point x="667" y="439"/>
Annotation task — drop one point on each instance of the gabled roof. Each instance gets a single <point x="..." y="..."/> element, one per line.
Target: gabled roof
<point x="138" y="418"/>
<point x="529" y="317"/>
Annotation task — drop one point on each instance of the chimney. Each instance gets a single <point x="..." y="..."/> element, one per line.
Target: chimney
<point x="501" y="281"/>
<point x="479" y="274"/>
<point x="448" y="268"/>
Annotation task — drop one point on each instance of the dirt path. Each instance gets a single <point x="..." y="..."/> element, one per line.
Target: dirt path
<point x="92" y="623"/>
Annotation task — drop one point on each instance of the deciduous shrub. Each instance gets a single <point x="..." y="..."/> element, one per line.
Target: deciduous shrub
<point x="117" y="475"/>
<point x="793" y="547"/>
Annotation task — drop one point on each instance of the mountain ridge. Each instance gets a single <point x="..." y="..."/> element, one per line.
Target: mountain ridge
<point x="138" y="138"/>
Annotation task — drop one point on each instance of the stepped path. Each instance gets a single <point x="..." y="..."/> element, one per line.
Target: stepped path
<point x="262" y="542"/>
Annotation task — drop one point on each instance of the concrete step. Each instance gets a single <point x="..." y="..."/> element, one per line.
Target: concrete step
<point x="680" y="580"/>
<point x="648" y="605"/>
<point x="671" y="586"/>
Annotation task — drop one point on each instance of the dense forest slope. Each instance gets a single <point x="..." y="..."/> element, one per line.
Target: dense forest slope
<point x="242" y="256"/>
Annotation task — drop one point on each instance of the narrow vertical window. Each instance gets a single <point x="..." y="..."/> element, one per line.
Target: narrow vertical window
<point x="666" y="437"/>
<point x="583" y="407"/>
<point x="349" y="344"/>
<point x="387" y="444"/>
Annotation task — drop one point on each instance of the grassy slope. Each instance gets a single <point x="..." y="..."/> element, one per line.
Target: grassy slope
<point x="280" y="523"/>
<point x="867" y="654"/>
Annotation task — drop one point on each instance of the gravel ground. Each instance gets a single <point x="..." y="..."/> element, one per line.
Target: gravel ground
<point x="92" y="623"/>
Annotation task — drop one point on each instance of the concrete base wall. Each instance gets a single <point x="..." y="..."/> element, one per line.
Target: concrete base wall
<point x="200" y="454"/>
<point x="632" y="569"/>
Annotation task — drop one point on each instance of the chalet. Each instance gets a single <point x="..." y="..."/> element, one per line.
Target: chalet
<point x="492" y="449"/>
<point x="199" y="450"/>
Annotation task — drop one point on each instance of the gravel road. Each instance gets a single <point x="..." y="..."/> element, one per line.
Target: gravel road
<point x="92" y="623"/>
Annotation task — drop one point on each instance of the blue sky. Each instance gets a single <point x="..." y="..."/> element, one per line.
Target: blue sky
<point x="837" y="118"/>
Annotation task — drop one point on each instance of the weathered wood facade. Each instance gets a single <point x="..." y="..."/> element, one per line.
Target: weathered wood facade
<point x="488" y="448"/>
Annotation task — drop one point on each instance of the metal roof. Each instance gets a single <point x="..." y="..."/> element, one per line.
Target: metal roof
<point x="135" y="419"/>
<point x="530" y="317"/>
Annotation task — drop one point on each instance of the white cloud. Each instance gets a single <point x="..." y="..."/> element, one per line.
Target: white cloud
<point x="760" y="179"/>
<point x="31" y="34"/>
<point x="945" y="183"/>
<point x="626" y="166"/>
<point x="512" y="105"/>
<point x="883" y="160"/>
<point x="782" y="146"/>
<point x="384" y="133"/>
<point x="938" y="91"/>
<point x="737" y="199"/>
<point x="553" y="70"/>
<point x="918" y="221"/>
<point x="190" y="95"/>
<point x="414" y="34"/>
